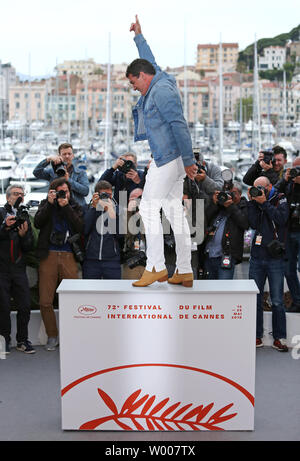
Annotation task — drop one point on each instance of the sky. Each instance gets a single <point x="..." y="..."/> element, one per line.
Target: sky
<point x="37" y="34"/>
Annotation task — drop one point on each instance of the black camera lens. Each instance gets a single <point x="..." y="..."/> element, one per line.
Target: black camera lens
<point x="294" y="172"/>
<point x="61" y="194"/>
<point x="223" y="197"/>
<point x="59" y="169"/>
<point x="256" y="191"/>
<point x="127" y="166"/>
<point x="103" y="196"/>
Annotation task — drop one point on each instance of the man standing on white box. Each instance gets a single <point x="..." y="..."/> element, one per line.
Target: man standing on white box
<point x="158" y="117"/>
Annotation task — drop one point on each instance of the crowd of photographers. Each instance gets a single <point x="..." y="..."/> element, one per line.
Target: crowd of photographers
<point x="104" y="239"/>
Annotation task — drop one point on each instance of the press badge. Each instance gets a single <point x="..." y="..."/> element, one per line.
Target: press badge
<point x="258" y="239"/>
<point x="226" y="262"/>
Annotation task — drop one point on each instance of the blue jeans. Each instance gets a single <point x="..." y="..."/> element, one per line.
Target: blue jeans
<point x="273" y="269"/>
<point x="291" y="269"/>
<point x="216" y="272"/>
<point x="96" y="269"/>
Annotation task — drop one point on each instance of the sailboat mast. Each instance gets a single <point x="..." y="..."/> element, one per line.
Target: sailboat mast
<point x="256" y="108"/>
<point x="284" y="103"/>
<point x="85" y="104"/>
<point x="220" y="103"/>
<point x="185" y="111"/>
<point x="108" y="118"/>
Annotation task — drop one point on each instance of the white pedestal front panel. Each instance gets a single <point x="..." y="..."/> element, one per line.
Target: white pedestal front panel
<point x="157" y="358"/>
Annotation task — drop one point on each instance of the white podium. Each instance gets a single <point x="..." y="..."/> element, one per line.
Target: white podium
<point x="163" y="357"/>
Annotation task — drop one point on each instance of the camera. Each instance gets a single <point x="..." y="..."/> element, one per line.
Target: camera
<point x="21" y="215"/>
<point x="268" y="156"/>
<point x="138" y="259"/>
<point x="74" y="242"/>
<point x="57" y="238"/>
<point x="169" y="241"/>
<point x="294" y="172"/>
<point x="59" y="169"/>
<point x="127" y="165"/>
<point x="295" y="212"/>
<point x="103" y="195"/>
<point x="276" y="249"/>
<point x="256" y="191"/>
<point x="225" y="194"/>
<point x="201" y="168"/>
<point x="61" y="194"/>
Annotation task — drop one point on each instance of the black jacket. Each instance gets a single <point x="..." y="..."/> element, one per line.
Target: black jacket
<point x="12" y="246"/>
<point x="255" y="171"/>
<point x="292" y="192"/>
<point x="236" y="224"/>
<point x="261" y="218"/>
<point x="120" y="183"/>
<point x="43" y="220"/>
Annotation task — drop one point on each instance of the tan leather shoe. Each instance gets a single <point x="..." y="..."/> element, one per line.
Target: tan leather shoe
<point x="184" y="279"/>
<point x="151" y="277"/>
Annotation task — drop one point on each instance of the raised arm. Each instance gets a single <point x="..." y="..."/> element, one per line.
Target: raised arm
<point x="142" y="46"/>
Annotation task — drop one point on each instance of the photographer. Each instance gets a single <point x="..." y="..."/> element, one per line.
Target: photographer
<point x="134" y="256"/>
<point x="102" y="252"/>
<point x="61" y="165"/>
<point x="16" y="239"/>
<point x="268" y="214"/>
<point x="269" y="164"/>
<point x="227" y="218"/>
<point x="60" y="220"/>
<point x="290" y="186"/>
<point x="124" y="176"/>
<point x="208" y="178"/>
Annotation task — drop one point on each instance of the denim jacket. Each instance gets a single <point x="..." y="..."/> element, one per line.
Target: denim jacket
<point x="78" y="180"/>
<point x="158" y="115"/>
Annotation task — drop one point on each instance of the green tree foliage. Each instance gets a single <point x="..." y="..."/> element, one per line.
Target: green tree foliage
<point x="246" y="57"/>
<point x="247" y="109"/>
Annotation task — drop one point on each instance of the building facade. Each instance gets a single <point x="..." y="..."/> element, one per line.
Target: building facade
<point x="274" y="57"/>
<point x="208" y="57"/>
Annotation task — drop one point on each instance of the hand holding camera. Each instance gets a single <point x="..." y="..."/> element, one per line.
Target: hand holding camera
<point x="201" y="173"/>
<point x="10" y="221"/>
<point x="59" y="166"/>
<point x="133" y="175"/>
<point x="59" y="197"/>
<point x="293" y="174"/>
<point x="223" y="198"/>
<point x="257" y="193"/>
<point x="265" y="158"/>
<point x="118" y="163"/>
<point x="23" y="228"/>
<point x="51" y="196"/>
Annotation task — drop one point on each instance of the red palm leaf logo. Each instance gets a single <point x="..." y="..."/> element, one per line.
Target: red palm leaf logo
<point x="143" y="414"/>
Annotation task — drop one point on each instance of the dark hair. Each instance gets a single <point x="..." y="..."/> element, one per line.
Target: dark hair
<point x="102" y="185"/>
<point x="279" y="150"/>
<point x="59" y="182"/>
<point x="64" y="145"/>
<point x="140" y="65"/>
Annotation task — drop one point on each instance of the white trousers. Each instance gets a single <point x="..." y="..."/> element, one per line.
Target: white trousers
<point x="164" y="190"/>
